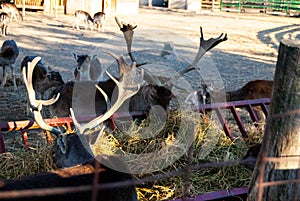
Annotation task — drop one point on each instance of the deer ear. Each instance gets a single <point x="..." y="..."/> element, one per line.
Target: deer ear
<point x="75" y="55"/>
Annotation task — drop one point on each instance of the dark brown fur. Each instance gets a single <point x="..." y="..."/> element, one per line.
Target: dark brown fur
<point x="77" y="176"/>
<point x="148" y="95"/>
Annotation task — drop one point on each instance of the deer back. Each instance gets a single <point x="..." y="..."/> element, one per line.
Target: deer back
<point x="83" y="15"/>
<point x="12" y="9"/>
<point x="254" y="89"/>
<point x="79" y="175"/>
<point x="9" y="52"/>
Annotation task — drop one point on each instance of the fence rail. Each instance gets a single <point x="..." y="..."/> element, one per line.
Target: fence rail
<point x="286" y="6"/>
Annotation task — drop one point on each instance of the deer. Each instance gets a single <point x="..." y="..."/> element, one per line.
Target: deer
<point x="70" y="151"/>
<point x="254" y="89"/>
<point x="251" y="156"/>
<point x="82" y="175"/>
<point x="12" y="10"/>
<point x="4" y="23"/>
<point x="82" y="16"/>
<point x="88" y="68"/>
<point x="8" y="55"/>
<point x="99" y="20"/>
<point x="43" y="78"/>
<point x="72" y="93"/>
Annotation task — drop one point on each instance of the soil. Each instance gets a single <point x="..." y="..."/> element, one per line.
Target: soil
<point x="249" y="53"/>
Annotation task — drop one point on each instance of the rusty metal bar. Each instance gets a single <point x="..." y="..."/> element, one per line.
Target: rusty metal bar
<point x="239" y="121"/>
<point x="30" y="124"/>
<point x="223" y="123"/>
<point x="248" y="104"/>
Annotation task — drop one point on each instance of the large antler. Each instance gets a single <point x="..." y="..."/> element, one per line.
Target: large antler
<point x="127" y="87"/>
<point x="37" y="105"/>
<point x="205" y="46"/>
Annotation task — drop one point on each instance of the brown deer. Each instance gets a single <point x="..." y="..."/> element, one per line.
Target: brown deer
<point x="82" y="16"/>
<point x="43" y="78"/>
<point x="8" y="55"/>
<point x="4" y="23"/>
<point x="74" y="95"/>
<point x="255" y="89"/>
<point x="88" y="68"/>
<point x="99" y="20"/>
<point x="12" y="10"/>
<point x="70" y="151"/>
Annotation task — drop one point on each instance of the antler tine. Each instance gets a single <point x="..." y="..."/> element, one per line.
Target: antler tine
<point x="205" y="46"/>
<point x="122" y="65"/>
<point x="127" y="87"/>
<point x="36" y="105"/>
<point x="128" y="35"/>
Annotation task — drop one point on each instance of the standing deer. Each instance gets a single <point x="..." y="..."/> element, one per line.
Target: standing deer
<point x="88" y="68"/>
<point x="8" y="55"/>
<point x="70" y="150"/>
<point x="43" y="78"/>
<point x="4" y="23"/>
<point x="12" y="10"/>
<point x="82" y="16"/>
<point x="99" y="20"/>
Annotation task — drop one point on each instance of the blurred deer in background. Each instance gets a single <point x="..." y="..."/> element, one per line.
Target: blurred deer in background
<point x="12" y="10"/>
<point x="43" y="78"/>
<point x="8" y="55"/>
<point x="82" y="16"/>
<point x="99" y="20"/>
<point x="4" y="23"/>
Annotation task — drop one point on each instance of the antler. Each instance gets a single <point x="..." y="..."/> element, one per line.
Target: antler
<point x="127" y="87"/>
<point x="128" y="32"/>
<point x="37" y="105"/>
<point x="205" y="46"/>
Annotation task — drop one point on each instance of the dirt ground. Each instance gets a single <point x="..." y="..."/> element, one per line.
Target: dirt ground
<point x="249" y="53"/>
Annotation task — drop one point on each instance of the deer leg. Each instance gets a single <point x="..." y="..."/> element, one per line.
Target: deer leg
<point x="4" y="77"/>
<point x="12" y="67"/>
<point x="15" y="16"/>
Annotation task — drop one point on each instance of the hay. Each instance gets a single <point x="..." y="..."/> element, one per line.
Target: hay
<point x="210" y="145"/>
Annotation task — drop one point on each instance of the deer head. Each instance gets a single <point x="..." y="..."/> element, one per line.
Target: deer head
<point x="127" y="87"/>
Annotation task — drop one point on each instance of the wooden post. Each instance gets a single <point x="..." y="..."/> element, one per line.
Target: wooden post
<point x="282" y="133"/>
<point x="23" y="8"/>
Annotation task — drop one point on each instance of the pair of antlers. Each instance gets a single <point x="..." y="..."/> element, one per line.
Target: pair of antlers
<point x="205" y="46"/>
<point x="127" y="87"/>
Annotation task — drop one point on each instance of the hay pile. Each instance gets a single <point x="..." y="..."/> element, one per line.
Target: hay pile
<point x="210" y="145"/>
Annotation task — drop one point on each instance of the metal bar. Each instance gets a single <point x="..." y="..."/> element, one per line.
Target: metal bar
<point x="239" y="121"/>
<point x="252" y="113"/>
<point x="224" y="123"/>
<point x="2" y="145"/>
<point x="25" y="138"/>
<point x="265" y="109"/>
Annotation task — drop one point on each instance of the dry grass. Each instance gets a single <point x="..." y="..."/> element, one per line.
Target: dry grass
<point x="210" y="145"/>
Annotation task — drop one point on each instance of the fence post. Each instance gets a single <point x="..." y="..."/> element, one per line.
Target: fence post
<point x="282" y="134"/>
